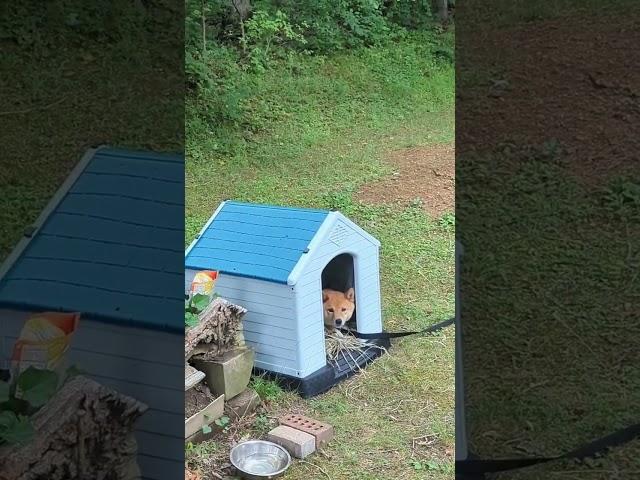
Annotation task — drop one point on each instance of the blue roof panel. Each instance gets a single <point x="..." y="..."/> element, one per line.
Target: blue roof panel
<point x="255" y="241"/>
<point x="111" y="248"/>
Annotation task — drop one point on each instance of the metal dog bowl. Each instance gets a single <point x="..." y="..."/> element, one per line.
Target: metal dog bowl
<point x="259" y="460"/>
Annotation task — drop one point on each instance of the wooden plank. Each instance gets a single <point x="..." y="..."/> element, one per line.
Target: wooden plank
<point x="213" y="411"/>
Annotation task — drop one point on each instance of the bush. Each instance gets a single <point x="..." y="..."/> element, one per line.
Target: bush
<point x="229" y="52"/>
<point x="269" y="35"/>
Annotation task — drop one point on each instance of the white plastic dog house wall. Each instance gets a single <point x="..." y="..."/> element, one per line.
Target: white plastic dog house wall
<point x="270" y="260"/>
<point x="105" y="247"/>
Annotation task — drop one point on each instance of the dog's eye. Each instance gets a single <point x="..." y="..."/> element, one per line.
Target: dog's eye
<point x="330" y="310"/>
<point x="344" y="309"/>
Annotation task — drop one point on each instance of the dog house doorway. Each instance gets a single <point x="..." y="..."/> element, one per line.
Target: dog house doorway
<point x="339" y="275"/>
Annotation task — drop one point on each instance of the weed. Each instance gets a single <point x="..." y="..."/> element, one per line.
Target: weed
<point x="223" y="422"/>
<point x="432" y="465"/>
<point x="201" y="449"/>
<point x="268" y="390"/>
<point x="262" y="424"/>
<point x="447" y="220"/>
<point x="622" y="197"/>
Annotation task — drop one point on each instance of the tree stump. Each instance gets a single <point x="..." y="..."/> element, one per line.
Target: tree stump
<point x="219" y="330"/>
<point x="84" y="431"/>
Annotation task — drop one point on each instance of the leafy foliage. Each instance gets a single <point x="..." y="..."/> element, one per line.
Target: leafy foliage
<point x="193" y="307"/>
<point x="268" y="390"/>
<point x="267" y="35"/>
<point x="15" y="429"/>
<point x="19" y="400"/>
<point x="230" y="43"/>
<point x="42" y="26"/>
<point x="37" y="386"/>
<point x="223" y="422"/>
<point x="623" y="198"/>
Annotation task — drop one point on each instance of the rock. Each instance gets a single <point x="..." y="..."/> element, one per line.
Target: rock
<point x="243" y="404"/>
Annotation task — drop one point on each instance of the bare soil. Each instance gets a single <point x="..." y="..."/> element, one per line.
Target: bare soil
<point x="585" y="93"/>
<point x="424" y="174"/>
<point x="196" y="398"/>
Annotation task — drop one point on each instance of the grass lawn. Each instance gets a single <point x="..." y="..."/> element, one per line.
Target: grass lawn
<point x="66" y="91"/>
<point x="338" y="120"/>
<point x="550" y="276"/>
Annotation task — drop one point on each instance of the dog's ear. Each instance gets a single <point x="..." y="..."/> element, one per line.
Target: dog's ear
<point x="351" y="295"/>
<point x="325" y="296"/>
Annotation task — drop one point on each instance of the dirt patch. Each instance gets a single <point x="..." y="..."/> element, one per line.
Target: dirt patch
<point x="425" y="174"/>
<point x="574" y="81"/>
<point x="196" y="398"/>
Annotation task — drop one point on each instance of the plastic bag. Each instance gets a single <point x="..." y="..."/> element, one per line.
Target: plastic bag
<point x="203" y="283"/>
<point x="44" y="341"/>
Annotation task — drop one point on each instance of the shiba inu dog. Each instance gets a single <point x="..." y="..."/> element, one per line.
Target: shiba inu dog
<point x="338" y="307"/>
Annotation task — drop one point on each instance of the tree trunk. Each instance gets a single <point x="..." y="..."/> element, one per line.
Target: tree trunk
<point x="204" y="27"/>
<point x="443" y="10"/>
<point x="85" y="431"/>
<point x="242" y="8"/>
<point x="219" y="329"/>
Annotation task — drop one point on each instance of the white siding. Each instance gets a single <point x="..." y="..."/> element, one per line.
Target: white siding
<point x="311" y="347"/>
<point x="135" y="362"/>
<point x="270" y="326"/>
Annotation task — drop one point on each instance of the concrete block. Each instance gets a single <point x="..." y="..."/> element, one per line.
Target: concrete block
<point x="323" y="432"/>
<point x="229" y="374"/>
<point x="299" y="444"/>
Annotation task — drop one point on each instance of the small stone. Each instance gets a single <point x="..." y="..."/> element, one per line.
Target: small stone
<point x="299" y="444"/>
<point x="243" y="404"/>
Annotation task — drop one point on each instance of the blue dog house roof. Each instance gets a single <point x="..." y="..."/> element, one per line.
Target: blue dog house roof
<point x="258" y="241"/>
<point x="104" y="245"/>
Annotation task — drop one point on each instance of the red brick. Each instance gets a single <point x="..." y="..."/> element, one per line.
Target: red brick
<point x="323" y="432"/>
<point x="298" y="443"/>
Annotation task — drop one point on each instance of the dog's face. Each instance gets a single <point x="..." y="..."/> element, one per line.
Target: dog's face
<point x="338" y="307"/>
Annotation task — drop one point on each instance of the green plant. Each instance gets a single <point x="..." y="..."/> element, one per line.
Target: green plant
<point x="411" y="14"/>
<point x="223" y="422"/>
<point x="193" y="307"/>
<point x="268" y="390"/>
<point x="20" y="399"/>
<point x="432" y="465"/>
<point x="15" y="428"/>
<point x="267" y="34"/>
<point x="262" y="423"/>
<point x="623" y="198"/>
<point x="447" y="220"/>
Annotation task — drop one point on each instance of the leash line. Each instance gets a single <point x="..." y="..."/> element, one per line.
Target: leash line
<point x="383" y="335"/>
<point x="591" y="449"/>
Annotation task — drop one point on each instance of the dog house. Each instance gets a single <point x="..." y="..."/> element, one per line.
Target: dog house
<point x="105" y="247"/>
<point x="274" y="261"/>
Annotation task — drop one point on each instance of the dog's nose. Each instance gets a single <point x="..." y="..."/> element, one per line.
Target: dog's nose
<point x="339" y="323"/>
